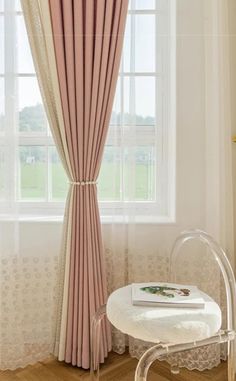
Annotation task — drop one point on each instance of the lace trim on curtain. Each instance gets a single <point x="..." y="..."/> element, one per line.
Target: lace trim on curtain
<point x="27" y="316"/>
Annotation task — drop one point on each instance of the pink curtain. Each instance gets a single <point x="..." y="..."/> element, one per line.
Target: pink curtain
<point x="88" y="37"/>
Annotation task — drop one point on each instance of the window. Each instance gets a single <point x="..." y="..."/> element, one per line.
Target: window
<point x="139" y="156"/>
<point x="35" y="174"/>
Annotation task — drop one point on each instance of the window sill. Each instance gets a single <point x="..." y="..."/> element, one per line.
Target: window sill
<point x="145" y="219"/>
<point x="32" y="218"/>
<point x="105" y="220"/>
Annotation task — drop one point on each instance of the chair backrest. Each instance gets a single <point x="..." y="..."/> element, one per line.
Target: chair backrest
<point x="222" y="261"/>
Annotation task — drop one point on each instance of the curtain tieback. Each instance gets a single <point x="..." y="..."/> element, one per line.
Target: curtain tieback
<point x="82" y="183"/>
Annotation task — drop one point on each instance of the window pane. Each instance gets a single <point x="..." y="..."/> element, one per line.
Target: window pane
<point x="139" y="44"/>
<point x="18" y="6"/>
<point x="139" y="178"/>
<point x="149" y="4"/>
<point x="58" y="178"/>
<point x="2" y="172"/>
<point x="139" y="101"/>
<point x="25" y="61"/>
<point x="2" y="54"/>
<point x="109" y="181"/>
<point x="33" y="172"/>
<point x="145" y="43"/>
<point x="115" y="115"/>
<point x="145" y="4"/>
<point x="32" y="117"/>
<point x="127" y="45"/>
<point x="2" y="104"/>
<point x="1" y="5"/>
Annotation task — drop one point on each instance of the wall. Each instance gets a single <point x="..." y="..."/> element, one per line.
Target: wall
<point x="232" y="41"/>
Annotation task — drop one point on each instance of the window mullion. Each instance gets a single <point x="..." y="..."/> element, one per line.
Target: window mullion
<point x="120" y="139"/>
<point x="11" y="131"/>
<point x="37" y="140"/>
<point x="130" y="163"/>
<point x="26" y="75"/>
<point x="48" y="174"/>
<point x="158" y="129"/>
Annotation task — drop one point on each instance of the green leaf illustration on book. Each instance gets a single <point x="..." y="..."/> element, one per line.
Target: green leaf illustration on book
<point x="163" y="291"/>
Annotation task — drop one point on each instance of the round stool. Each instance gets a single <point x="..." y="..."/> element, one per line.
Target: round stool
<point x="160" y="324"/>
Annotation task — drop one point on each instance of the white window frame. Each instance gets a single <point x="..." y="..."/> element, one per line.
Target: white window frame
<point x="162" y="211"/>
<point x="164" y="134"/>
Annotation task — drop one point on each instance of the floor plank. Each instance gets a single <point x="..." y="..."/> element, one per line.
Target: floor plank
<point x="116" y="368"/>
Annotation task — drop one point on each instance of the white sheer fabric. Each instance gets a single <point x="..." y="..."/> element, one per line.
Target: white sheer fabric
<point x="136" y="248"/>
<point x="28" y="268"/>
<point x="137" y="251"/>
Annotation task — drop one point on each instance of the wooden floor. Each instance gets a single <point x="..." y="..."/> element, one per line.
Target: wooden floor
<point x="116" y="368"/>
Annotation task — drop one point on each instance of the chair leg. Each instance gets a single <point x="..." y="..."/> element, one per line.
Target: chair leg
<point x="231" y="360"/>
<point x="146" y="361"/>
<point x="159" y="350"/>
<point x="95" y="343"/>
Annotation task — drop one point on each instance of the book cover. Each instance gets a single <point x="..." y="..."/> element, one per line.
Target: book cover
<point x="166" y="295"/>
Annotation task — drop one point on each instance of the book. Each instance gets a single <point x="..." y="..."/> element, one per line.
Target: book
<point x="166" y="295"/>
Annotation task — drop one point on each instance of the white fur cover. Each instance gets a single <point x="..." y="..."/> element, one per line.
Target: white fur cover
<point x="159" y="324"/>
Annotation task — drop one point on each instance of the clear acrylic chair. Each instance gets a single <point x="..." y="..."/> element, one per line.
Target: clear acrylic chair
<point x="162" y="349"/>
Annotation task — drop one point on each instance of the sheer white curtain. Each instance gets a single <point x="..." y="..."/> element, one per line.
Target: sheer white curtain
<point x="232" y="49"/>
<point x="136" y="184"/>
<point x="139" y="239"/>
<point x="28" y="264"/>
<point x="219" y="131"/>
